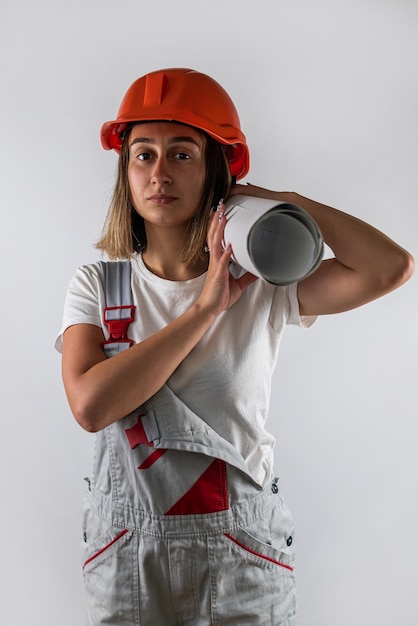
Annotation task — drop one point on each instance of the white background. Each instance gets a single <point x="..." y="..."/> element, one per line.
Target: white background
<point x="328" y="97"/>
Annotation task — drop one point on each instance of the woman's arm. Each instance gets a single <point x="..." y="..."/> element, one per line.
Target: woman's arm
<point x="367" y="263"/>
<point x="101" y="391"/>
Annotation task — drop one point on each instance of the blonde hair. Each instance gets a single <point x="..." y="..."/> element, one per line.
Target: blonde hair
<point x="124" y="230"/>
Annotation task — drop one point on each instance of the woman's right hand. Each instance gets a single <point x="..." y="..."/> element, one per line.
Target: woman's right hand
<point x="221" y="289"/>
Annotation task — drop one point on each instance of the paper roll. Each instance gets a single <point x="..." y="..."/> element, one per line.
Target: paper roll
<point x="276" y="241"/>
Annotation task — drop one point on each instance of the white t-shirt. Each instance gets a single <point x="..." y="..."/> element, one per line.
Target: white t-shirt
<point x="226" y="378"/>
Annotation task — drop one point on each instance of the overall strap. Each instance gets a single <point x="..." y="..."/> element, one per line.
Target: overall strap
<point x="120" y="310"/>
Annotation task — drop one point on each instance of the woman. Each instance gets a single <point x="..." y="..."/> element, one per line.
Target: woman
<point x="184" y="520"/>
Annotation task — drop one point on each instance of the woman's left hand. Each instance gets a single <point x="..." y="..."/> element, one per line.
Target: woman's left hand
<point x="260" y="192"/>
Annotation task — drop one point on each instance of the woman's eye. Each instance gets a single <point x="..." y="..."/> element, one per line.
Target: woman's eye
<point x="143" y="156"/>
<point x="182" y="156"/>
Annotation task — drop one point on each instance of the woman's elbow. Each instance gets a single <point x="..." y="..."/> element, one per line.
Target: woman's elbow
<point x="401" y="270"/>
<point x="86" y="420"/>
<point x="87" y="414"/>
<point x="396" y="270"/>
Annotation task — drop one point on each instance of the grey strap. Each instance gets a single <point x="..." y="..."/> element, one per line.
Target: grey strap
<point x="117" y="282"/>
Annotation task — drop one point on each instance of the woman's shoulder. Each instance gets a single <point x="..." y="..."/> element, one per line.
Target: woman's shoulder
<point x="87" y="273"/>
<point x="87" y="282"/>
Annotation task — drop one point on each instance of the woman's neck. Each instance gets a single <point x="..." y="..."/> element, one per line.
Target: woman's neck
<point x="171" y="268"/>
<point x="163" y="257"/>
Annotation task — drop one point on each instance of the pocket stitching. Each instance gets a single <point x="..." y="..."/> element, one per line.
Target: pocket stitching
<point x="258" y="554"/>
<point x="106" y="547"/>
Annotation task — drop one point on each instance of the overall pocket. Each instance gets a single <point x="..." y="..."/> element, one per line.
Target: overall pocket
<point x="250" y="544"/>
<point x="109" y="559"/>
<point x="253" y="572"/>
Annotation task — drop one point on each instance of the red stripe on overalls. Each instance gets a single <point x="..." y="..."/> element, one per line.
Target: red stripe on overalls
<point x="209" y="493"/>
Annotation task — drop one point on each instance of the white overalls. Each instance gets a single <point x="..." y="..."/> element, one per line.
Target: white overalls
<point x="176" y="531"/>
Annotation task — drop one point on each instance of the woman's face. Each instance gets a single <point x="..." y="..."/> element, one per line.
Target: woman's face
<point x="166" y="173"/>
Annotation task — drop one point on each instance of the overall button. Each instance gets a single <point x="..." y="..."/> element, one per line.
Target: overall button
<point x="274" y="488"/>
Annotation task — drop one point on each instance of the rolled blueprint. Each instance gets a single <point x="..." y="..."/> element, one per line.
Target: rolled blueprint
<point x="276" y="241"/>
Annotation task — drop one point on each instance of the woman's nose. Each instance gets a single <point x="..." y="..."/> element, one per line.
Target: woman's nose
<point x="161" y="171"/>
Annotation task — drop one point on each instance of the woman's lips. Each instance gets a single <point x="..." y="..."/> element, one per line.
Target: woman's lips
<point x="161" y="199"/>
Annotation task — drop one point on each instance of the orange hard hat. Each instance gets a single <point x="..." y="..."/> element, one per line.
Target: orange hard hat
<point x="188" y="97"/>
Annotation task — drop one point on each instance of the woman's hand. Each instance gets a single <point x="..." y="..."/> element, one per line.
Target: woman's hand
<point x="260" y="192"/>
<point x="221" y="289"/>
